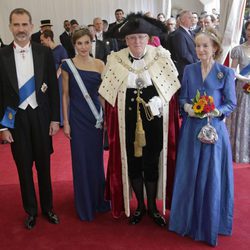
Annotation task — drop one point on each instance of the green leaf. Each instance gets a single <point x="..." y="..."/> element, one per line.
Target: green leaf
<point x="198" y="95"/>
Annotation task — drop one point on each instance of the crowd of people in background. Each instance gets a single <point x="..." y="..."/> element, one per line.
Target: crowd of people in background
<point x="122" y="66"/>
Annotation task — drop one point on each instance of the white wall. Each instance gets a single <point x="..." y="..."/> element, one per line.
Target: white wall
<point x="194" y="5"/>
<point x="59" y="10"/>
<point x="82" y="10"/>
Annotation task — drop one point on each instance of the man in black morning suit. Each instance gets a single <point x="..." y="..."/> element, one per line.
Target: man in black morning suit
<point x="65" y="39"/>
<point x="45" y="25"/>
<point x="183" y="43"/>
<point x="29" y="112"/>
<point x="99" y="49"/>
<point x="119" y="16"/>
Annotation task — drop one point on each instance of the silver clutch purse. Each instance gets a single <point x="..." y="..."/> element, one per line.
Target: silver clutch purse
<point x="208" y="133"/>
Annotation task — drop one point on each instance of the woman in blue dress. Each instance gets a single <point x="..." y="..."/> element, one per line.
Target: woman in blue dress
<point x="203" y="199"/>
<point x="79" y="126"/>
<point x="59" y="54"/>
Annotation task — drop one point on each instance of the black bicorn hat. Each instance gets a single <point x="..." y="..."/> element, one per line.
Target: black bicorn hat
<point x="46" y="23"/>
<point x="136" y="23"/>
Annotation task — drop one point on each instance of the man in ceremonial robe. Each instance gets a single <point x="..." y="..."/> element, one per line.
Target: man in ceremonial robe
<point x="137" y="86"/>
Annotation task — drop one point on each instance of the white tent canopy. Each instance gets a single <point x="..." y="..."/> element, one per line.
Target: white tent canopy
<point x="232" y="13"/>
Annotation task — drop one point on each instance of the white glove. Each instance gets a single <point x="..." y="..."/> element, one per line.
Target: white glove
<point x="155" y="105"/>
<point x="189" y="109"/>
<point x="215" y="113"/>
<point x="241" y="77"/>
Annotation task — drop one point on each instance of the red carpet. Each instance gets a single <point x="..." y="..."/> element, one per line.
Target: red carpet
<point x="104" y="232"/>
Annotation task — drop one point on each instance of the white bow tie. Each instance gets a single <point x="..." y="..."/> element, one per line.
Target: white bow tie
<point x="21" y="51"/>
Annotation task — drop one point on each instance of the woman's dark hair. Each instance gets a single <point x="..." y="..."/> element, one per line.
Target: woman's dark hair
<point x="48" y="33"/>
<point x="78" y="33"/>
<point x="246" y="24"/>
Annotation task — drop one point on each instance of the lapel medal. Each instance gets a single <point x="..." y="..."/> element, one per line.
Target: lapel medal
<point x="44" y="87"/>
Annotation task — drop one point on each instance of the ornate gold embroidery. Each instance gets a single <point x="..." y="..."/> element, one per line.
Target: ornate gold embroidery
<point x="137" y="71"/>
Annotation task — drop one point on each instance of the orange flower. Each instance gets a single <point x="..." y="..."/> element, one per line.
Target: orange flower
<point x="202" y="101"/>
<point x="203" y="104"/>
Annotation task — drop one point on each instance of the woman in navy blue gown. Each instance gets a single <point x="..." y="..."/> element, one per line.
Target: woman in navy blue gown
<point x="79" y="126"/>
<point x="203" y="199"/>
<point x="59" y="54"/>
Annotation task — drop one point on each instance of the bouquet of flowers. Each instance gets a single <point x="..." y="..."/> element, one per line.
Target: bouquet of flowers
<point x="203" y="104"/>
<point x="246" y="88"/>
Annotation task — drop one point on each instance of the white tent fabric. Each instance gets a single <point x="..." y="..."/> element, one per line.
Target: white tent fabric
<point x="166" y="7"/>
<point x="232" y="14"/>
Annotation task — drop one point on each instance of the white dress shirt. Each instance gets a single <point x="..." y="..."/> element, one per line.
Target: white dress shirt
<point x="93" y="48"/>
<point x="25" y="70"/>
<point x="139" y="64"/>
<point x="99" y="36"/>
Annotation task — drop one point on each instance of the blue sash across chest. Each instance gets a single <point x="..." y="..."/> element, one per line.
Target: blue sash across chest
<point x="245" y="71"/>
<point x="26" y="90"/>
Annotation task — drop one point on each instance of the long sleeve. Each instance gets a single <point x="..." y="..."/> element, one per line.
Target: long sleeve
<point x="229" y="97"/>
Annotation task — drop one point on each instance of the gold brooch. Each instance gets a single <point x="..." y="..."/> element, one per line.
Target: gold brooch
<point x="220" y="75"/>
<point x="44" y="87"/>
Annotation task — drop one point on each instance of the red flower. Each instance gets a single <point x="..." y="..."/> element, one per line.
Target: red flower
<point x="203" y="104"/>
<point x="206" y="109"/>
<point x="246" y="88"/>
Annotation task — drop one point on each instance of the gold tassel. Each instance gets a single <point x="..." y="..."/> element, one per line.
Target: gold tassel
<point x="140" y="139"/>
<point x="137" y="150"/>
<point x="139" y="131"/>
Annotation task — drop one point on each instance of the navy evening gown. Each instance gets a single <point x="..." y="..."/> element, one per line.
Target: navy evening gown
<point x="86" y="147"/>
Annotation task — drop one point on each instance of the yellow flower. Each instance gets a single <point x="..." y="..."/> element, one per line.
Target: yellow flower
<point x="198" y="107"/>
<point x="211" y="99"/>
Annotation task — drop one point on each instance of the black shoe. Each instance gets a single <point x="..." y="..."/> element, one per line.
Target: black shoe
<point x="137" y="216"/>
<point x="30" y="222"/>
<point x="157" y="218"/>
<point x="51" y="217"/>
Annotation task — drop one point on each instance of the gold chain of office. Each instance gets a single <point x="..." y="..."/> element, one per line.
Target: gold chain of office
<point x="137" y="71"/>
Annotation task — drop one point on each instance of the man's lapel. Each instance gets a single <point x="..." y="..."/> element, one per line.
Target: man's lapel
<point x="38" y="60"/>
<point x="97" y="49"/>
<point x="188" y="36"/>
<point x="10" y="66"/>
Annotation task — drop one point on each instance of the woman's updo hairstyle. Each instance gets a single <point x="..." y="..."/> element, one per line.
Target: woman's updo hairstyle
<point x="80" y="32"/>
<point x="216" y="39"/>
